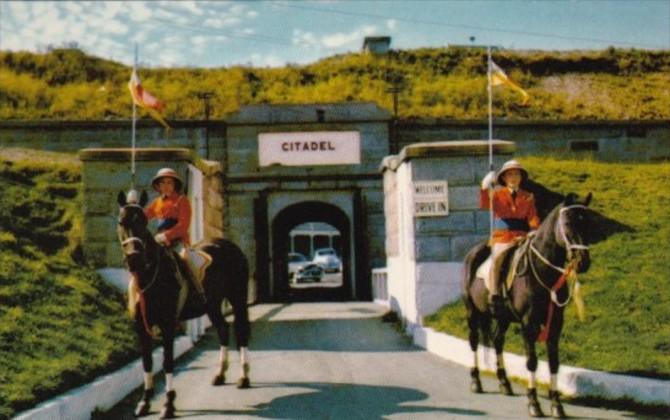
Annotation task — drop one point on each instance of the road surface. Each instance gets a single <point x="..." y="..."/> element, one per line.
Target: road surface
<point x="336" y="361"/>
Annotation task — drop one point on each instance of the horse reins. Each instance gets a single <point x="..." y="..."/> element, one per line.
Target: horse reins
<point x="565" y="272"/>
<point x="143" y="304"/>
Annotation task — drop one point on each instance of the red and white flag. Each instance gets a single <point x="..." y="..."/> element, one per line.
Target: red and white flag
<point x="144" y="99"/>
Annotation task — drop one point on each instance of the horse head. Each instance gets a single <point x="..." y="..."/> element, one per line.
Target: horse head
<point x="570" y="229"/>
<point x="132" y="230"/>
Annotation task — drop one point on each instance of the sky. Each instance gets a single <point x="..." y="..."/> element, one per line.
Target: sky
<point x="276" y="33"/>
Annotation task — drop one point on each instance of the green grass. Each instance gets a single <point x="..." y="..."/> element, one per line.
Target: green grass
<point x="60" y="324"/>
<point x="627" y="326"/>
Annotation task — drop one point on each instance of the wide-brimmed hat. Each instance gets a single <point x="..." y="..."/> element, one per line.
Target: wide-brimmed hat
<point x="167" y="173"/>
<point x="511" y="164"/>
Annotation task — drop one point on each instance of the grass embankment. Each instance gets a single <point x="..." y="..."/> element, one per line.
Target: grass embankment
<point x="60" y="325"/>
<point x="627" y="326"/>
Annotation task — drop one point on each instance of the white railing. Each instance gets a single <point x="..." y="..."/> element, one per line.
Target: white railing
<point x="380" y="291"/>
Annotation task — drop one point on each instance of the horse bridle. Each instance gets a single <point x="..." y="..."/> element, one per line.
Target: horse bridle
<point x="567" y="245"/>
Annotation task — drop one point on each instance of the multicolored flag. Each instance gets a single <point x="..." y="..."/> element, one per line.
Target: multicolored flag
<point x="145" y="100"/>
<point x="499" y="77"/>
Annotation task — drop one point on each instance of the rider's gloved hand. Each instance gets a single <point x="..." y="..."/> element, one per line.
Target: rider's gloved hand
<point x="162" y="239"/>
<point x="489" y="180"/>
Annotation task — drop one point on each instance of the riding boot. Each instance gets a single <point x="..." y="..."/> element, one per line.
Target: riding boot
<point x="496" y="301"/>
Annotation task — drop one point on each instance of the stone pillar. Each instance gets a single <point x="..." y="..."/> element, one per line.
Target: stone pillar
<point x="105" y="173"/>
<point x="428" y="232"/>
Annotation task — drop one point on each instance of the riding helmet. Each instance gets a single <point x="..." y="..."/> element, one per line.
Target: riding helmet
<point x="167" y="173"/>
<point x="511" y="164"/>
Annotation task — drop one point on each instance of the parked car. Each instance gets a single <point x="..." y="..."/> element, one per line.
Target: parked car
<point x="310" y="272"/>
<point x="296" y="261"/>
<point x="327" y="259"/>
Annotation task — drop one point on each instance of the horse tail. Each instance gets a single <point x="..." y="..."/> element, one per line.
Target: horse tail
<point x="473" y="259"/>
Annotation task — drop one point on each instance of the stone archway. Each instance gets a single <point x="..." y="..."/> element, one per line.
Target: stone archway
<point x="283" y="223"/>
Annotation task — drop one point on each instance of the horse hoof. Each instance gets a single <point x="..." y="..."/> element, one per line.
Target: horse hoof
<point x="534" y="409"/>
<point x="243" y="383"/>
<point x="219" y="380"/>
<point x="505" y="388"/>
<point x="168" y="411"/>
<point x="142" y="408"/>
<point x="476" y="386"/>
<point x="557" y="411"/>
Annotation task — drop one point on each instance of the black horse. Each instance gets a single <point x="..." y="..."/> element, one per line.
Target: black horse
<point x="537" y="295"/>
<point x="154" y="271"/>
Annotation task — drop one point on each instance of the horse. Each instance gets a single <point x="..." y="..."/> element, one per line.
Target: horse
<point x="154" y="270"/>
<point x="536" y="298"/>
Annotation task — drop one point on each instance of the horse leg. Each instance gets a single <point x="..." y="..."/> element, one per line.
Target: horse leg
<point x="168" y="411"/>
<point x="242" y="333"/>
<point x="221" y="325"/>
<point x="473" y="325"/>
<point x="552" y="354"/>
<point x="499" y="341"/>
<point x="144" y="405"/>
<point x="534" y="409"/>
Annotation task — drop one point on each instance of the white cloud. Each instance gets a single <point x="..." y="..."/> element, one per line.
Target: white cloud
<point x="266" y="60"/>
<point x="338" y="40"/>
<point x="138" y="11"/>
<point x="391" y="24"/>
<point x="188" y="6"/>
<point x="304" y="39"/>
<point x="199" y="39"/>
<point x="221" y="22"/>
<point x="252" y="14"/>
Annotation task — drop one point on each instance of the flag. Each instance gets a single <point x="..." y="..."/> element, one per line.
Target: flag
<point x="499" y="77"/>
<point x="145" y="100"/>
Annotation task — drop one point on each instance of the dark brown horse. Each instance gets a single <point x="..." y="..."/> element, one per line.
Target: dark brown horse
<point x="154" y="270"/>
<point x="542" y="259"/>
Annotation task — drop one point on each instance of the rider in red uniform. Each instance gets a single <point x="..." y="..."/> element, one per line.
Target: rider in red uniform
<point x="514" y="215"/>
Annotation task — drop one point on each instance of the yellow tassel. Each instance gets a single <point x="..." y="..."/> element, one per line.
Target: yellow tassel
<point x="579" y="302"/>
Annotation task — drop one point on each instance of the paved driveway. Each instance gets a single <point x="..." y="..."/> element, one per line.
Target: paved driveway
<point x="337" y="361"/>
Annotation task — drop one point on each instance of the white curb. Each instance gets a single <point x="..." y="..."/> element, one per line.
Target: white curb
<point x="572" y="381"/>
<point x="103" y="393"/>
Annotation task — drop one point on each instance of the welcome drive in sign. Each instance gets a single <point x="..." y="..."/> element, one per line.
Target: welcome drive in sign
<point x="309" y="148"/>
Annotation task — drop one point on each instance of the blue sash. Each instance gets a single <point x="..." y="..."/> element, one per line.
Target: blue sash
<point x="511" y="224"/>
<point x="165" y="224"/>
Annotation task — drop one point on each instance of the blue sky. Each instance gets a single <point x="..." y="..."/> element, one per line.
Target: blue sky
<point x="273" y="33"/>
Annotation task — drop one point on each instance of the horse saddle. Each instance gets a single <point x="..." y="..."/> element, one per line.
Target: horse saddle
<point x="508" y="267"/>
<point x="198" y="261"/>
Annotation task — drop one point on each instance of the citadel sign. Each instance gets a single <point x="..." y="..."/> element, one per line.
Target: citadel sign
<point x="309" y="148"/>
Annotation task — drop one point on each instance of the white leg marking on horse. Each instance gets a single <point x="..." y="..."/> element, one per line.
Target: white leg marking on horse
<point x="531" y="380"/>
<point x="148" y="380"/>
<point x="476" y="360"/>
<point x="223" y="354"/>
<point x="553" y="382"/>
<point x="169" y="382"/>
<point x="244" y="360"/>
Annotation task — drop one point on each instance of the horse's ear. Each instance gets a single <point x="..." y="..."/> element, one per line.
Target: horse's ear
<point x="570" y="199"/>
<point x="144" y="198"/>
<point x="121" y="199"/>
<point x="588" y="198"/>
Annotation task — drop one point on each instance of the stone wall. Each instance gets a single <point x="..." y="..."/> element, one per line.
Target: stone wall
<point x="605" y="140"/>
<point x="105" y="173"/>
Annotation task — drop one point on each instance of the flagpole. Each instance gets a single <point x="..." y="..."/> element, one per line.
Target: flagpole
<point x="490" y="109"/>
<point x="132" y="150"/>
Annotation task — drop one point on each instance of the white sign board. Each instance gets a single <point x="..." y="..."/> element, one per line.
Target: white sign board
<point x="309" y="148"/>
<point x="431" y="198"/>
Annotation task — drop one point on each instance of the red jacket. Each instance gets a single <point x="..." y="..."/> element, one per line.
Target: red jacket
<point x="511" y="218"/>
<point x="176" y="207"/>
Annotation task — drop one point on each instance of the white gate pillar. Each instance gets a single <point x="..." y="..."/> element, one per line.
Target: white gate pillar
<point x="431" y="205"/>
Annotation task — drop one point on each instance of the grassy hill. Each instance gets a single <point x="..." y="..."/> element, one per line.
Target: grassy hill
<point x="627" y="327"/>
<point x="450" y="82"/>
<point x="60" y="325"/>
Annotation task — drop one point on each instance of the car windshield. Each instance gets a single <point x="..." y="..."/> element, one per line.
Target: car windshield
<point x="296" y="258"/>
<point x="325" y="252"/>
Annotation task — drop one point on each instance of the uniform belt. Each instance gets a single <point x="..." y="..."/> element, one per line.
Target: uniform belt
<point x="511" y="224"/>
